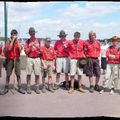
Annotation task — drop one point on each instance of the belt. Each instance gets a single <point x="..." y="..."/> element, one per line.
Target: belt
<point x="49" y="60"/>
<point x="33" y="57"/>
<point x="93" y="57"/>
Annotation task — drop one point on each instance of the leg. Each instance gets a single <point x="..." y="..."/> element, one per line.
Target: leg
<point x="71" y="90"/>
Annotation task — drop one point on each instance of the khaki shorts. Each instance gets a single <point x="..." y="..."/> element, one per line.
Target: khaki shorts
<point x="62" y="65"/>
<point x="74" y="68"/>
<point x="10" y="66"/>
<point x="49" y="69"/>
<point x="33" y="64"/>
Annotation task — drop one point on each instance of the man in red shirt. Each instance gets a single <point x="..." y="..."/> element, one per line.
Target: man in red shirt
<point x="32" y="50"/>
<point x="12" y="52"/>
<point x="62" y="59"/>
<point x="76" y="51"/>
<point x="113" y="60"/>
<point x="92" y="51"/>
<point x="47" y="59"/>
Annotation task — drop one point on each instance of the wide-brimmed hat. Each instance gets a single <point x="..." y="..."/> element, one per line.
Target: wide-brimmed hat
<point x="62" y="32"/>
<point x="115" y="39"/>
<point x="32" y="30"/>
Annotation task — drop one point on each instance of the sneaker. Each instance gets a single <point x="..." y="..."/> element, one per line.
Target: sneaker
<point x="6" y="90"/>
<point x="97" y="88"/>
<point x="28" y="90"/>
<point x="71" y="90"/>
<point x="55" y="87"/>
<point x="37" y="90"/>
<point x="91" y="89"/>
<point x="101" y="91"/>
<point x="67" y="86"/>
<point x="50" y="88"/>
<point x="112" y="91"/>
<point x="43" y="89"/>
<point x="20" y="90"/>
<point x="80" y="89"/>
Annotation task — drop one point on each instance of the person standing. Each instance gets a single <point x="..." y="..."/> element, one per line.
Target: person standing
<point x="62" y="59"/>
<point x="104" y="47"/>
<point x="12" y="52"/>
<point x="112" y="71"/>
<point x="47" y="59"/>
<point x="32" y="50"/>
<point x="92" y="51"/>
<point x="76" y="51"/>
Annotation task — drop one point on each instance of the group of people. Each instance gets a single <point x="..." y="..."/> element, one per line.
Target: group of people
<point x="63" y="57"/>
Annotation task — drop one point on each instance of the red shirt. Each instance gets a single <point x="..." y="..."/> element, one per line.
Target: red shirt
<point x="76" y="49"/>
<point x="48" y="53"/>
<point x="61" y="48"/>
<point x="14" y="53"/>
<point x="92" y="49"/>
<point x="34" y="52"/>
<point x="114" y="51"/>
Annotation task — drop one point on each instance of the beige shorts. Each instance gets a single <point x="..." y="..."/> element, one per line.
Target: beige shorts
<point x="33" y="64"/>
<point x="49" y="69"/>
<point x="74" y="69"/>
<point x="62" y="65"/>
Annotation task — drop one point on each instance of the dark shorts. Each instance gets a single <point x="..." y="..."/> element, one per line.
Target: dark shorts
<point x="103" y="63"/>
<point x="93" y="67"/>
<point x="10" y="66"/>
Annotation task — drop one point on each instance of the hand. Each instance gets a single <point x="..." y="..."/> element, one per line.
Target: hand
<point x="45" y="66"/>
<point x="36" y="45"/>
<point x="14" y="38"/>
<point x="31" y="44"/>
<point x="112" y="56"/>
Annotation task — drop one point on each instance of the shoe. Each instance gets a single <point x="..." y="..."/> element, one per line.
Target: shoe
<point x="71" y="90"/>
<point x="20" y="90"/>
<point x="112" y="91"/>
<point x="91" y="89"/>
<point x="80" y="89"/>
<point x="37" y="90"/>
<point x="50" y="88"/>
<point x="101" y="91"/>
<point x="43" y="89"/>
<point x="67" y="86"/>
<point x="97" y="88"/>
<point x="28" y="90"/>
<point x="55" y="86"/>
<point x="6" y="90"/>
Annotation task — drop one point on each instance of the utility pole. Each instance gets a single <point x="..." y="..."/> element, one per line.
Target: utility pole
<point x="5" y="21"/>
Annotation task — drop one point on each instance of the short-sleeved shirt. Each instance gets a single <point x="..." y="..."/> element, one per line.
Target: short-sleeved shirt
<point x="14" y="53"/>
<point x="48" y="53"/>
<point x="92" y="49"/>
<point x="34" y="52"/>
<point x="76" y="49"/>
<point x="113" y="51"/>
<point x="61" y="48"/>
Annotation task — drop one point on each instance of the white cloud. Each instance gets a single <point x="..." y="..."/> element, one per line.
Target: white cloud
<point x="71" y="19"/>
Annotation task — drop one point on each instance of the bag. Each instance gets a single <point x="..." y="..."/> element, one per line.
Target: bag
<point x="75" y="84"/>
<point x="82" y="62"/>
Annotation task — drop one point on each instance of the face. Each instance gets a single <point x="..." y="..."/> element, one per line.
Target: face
<point x="47" y="43"/>
<point x="92" y="37"/>
<point x="114" y="43"/>
<point x="63" y="37"/>
<point x="105" y="42"/>
<point x="77" y="37"/>
<point x="32" y="35"/>
<point x="14" y="35"/>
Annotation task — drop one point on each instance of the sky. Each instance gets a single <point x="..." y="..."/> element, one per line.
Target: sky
<point x="48" y="18"/>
